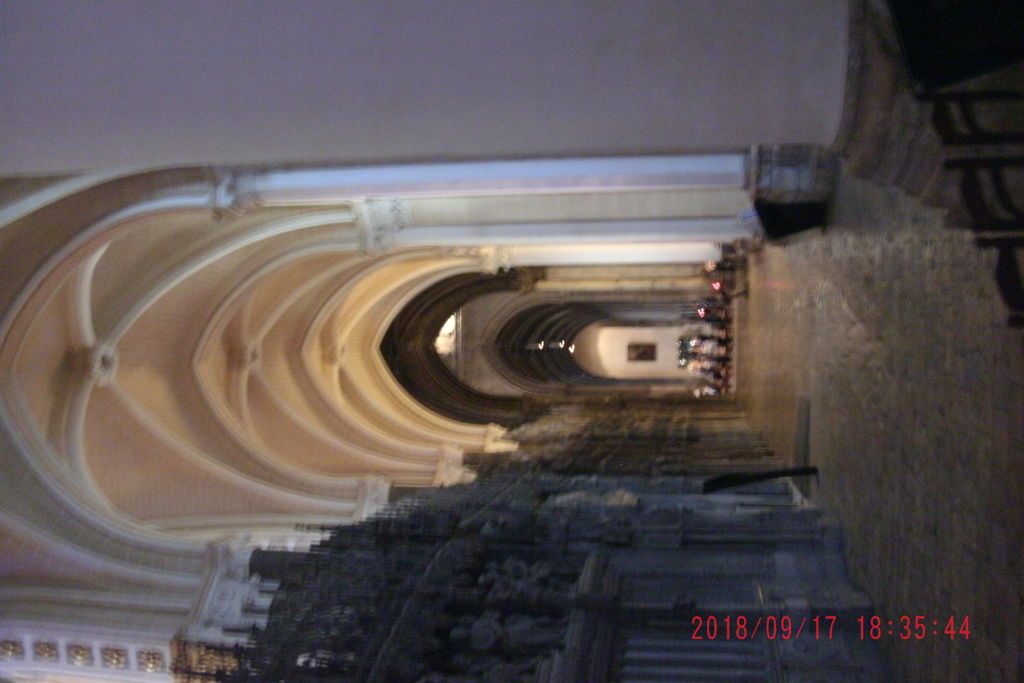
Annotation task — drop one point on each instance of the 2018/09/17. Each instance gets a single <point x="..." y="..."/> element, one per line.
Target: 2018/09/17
<point x="774" y="627"/>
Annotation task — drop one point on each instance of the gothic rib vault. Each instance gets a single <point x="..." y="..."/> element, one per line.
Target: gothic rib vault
<point x="184" y="361"/>
<point x="190" y="351"/>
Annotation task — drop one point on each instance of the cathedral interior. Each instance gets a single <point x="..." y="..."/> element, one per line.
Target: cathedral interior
<point x="565" y="324"/>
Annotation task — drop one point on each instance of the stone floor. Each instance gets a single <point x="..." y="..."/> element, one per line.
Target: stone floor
<point x="877" y="350"/>
<point x="653" y="435"/>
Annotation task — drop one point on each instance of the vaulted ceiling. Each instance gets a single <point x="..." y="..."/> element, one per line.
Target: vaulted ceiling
<point x="193" y="306"/>
<point x="203" y="353"/>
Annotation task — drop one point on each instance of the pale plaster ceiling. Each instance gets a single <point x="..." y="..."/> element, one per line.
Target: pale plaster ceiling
<point x="185" y="367"/>
<point x="178" y="365"/>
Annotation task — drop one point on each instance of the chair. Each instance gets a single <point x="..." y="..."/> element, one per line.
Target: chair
<point x="956" y="121"/>
<point x="1003" y="214"/>
<point x="1011" y="286"/>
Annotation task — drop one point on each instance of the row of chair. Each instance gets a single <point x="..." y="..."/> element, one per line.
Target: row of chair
<point x="991" y="184"/>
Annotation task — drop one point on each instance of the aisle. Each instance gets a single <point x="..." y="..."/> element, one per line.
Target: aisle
<point x="889" y="325"/>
